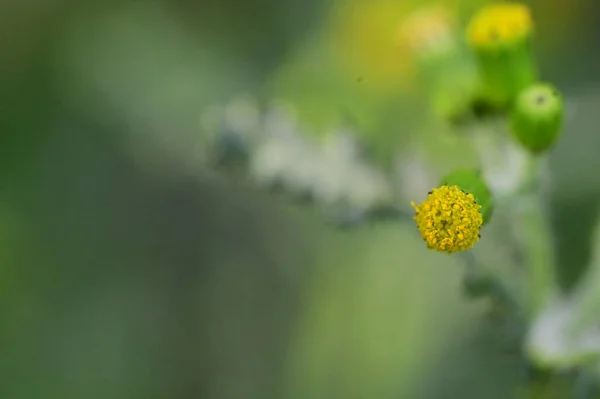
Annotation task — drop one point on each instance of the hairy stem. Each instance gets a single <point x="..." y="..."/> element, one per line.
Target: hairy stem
<point x="537" y="238"/>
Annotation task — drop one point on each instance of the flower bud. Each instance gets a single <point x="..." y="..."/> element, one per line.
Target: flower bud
<point x="444" y="67"/>
<point x="537" y="117"/>
<point x="500" y="34"/>
<point x="471" y="182"/>
<point x="428" y="33"/>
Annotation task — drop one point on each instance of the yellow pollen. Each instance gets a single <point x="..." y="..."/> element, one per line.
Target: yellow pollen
<point x="449" y="220"/>
<point x="499" y="23"/>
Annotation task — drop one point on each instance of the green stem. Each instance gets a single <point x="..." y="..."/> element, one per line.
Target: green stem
<point x="537" y="239"/>
<point x="530" y="221"/>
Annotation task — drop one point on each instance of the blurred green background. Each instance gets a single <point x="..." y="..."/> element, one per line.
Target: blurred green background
<point x="128" y="270"/>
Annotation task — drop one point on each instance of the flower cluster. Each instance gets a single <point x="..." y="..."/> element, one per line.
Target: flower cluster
<point x="427" y="32"/>
<point x="449" y="219"/>
<point x="513" y="117"/>
<point x="276" y="153"/>
<point x="328" y="168"/>
<point x="498" y="24"/>
<point x="498" y="38"/>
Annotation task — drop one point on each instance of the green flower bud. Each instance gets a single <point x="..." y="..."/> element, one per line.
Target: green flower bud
<point x="499" y="34"/>
<point x="445" y="67"/>
<point x="471" y="182"/>
<point x="537" y="117"/>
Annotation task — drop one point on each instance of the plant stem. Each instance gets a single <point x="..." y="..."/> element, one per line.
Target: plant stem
<point x="525" y="203"/>
<point x="537" y="238"/>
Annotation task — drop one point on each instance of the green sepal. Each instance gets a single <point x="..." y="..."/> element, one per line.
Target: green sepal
<point x="471" y="182"/>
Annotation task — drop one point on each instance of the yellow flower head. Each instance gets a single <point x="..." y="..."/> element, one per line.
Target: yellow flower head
<point x="499" y="23"/>
<point x="426" y="30"/>
<point x="449" y="219"/>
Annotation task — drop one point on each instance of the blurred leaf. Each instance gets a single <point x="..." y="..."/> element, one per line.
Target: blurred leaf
<point x="575" y="160"/>
<point x="567" y="332"/>
<point x="368" y="328"/>
<point x="324" y="98"/>
<point x="361" y="36"/>
<point x="327" y="99"/>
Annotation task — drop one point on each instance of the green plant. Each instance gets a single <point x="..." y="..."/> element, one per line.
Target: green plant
<point x="484" y="89"/>
<point x="560" y="339"/>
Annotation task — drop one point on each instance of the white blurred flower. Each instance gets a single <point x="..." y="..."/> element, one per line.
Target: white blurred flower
<point x="242" y="116"/>
<point x="280" y="120"/>
<point x="282" y="154"/>
<point x="331" y="171"/>
<point x="341" y="146"/>
<point x="304" y="166"/>
<point x="338" y="153"/>
<point x="328" y="187"/>
<point x="269" y="160"/>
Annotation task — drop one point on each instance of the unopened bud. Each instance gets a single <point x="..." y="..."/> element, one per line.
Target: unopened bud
<point x="499" y="34"/>
<point x="537" y="117"/>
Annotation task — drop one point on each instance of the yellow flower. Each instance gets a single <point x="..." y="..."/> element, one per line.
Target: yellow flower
<point x="499" y="23"/>
<point x="427" y="30"/>
<point x="449" y="219"/>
